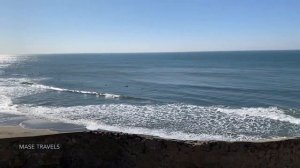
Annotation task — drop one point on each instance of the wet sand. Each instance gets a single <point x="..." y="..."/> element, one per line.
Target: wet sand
<point x="18" y="131"/>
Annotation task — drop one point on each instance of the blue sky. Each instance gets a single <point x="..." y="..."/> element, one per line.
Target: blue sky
<point x="70" y="26"/>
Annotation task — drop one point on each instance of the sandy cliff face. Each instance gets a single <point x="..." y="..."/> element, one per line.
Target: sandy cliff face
<point x="106" y="149"/>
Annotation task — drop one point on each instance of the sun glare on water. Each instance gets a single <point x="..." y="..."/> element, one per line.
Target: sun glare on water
<point x="6" y="59"/>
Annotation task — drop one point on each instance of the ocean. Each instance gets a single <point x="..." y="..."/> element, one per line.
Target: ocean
<point x="231" y="96"/>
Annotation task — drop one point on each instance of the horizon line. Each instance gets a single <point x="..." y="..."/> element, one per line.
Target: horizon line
<point x="153" y="52"/>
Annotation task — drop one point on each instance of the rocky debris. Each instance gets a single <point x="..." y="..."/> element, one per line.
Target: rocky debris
<point x="27" y="83"/>
<point x="114" y="150"/>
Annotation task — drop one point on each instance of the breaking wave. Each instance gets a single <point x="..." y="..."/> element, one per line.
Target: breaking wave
<point x="106" y="95"/>
<point x="175" y="121"/>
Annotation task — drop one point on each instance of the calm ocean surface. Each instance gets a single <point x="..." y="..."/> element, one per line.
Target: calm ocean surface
<point x="198" y="96"/>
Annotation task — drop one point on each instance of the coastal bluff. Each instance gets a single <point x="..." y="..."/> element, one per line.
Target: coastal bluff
<point x="119" y="150"/>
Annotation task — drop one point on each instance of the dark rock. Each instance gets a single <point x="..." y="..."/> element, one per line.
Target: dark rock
<point x="114" y="150"/>
<point x="27" y="83"/>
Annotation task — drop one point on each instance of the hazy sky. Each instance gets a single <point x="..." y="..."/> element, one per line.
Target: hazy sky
<point x="59" y="26"/>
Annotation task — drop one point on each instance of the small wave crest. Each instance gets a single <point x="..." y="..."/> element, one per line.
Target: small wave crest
<point x="98" y="94"/>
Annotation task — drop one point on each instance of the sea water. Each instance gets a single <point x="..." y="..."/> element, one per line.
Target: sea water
<point x="242" y="95"/>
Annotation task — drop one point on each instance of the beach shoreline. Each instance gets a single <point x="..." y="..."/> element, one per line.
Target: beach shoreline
<point x="18" y="131"/>
<point x="21" y="130"/>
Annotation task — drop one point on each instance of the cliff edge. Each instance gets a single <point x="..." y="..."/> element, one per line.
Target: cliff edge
<point x="116" y="150"/>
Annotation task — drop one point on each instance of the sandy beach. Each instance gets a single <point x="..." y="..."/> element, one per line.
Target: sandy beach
<point x="18" y="131"/>
<point x="12" y="126"/>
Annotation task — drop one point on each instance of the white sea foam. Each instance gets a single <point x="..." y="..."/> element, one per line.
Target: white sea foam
<point x="272" y="113"/>
<point x="175" y="121"/>
<point x="12" y="88"/>
<point x="5" y="103"/>
<point x="106" y="95"/>
<point x="71" y="115"/>
<point x="168" y="135"/>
